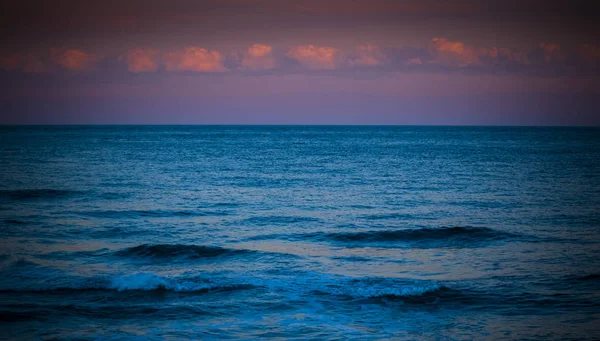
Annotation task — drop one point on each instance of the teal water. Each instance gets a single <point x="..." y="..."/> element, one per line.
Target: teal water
<point x="272" y="232"/>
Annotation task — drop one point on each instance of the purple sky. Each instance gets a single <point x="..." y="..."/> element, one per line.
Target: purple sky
<point x="300" y="62"/>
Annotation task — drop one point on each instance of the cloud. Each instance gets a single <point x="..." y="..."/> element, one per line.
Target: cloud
<point x="511" y="56"/>
<point x="414" y="61"/>
<point x="24" y="62"/>
<point x="400" y="57"/>
<point x="546" y="55"/>
<point x="73" y="59"/>
<point x="315" y="57"/>
<point x="441" y="55"/>
<point x="141" y="60"/>
<point x="456" y="53"/>
<point x="194" y="59"/>
<point x="367" y="55"/>
<point x="551" y="52"/>
<point x="259" y="50"/>
<point x="550" y="47"/>
<point x="258" y="57"/>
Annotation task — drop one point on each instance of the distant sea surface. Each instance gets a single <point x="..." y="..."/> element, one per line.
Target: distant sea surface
<point x="290" y="232"/>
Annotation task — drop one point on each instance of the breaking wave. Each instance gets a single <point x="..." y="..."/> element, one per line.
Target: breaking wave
<point x="371" y="289"/>
<point x="27" y="276"/>
<point x="133" y="282"/>
<point x="151" y="282"/>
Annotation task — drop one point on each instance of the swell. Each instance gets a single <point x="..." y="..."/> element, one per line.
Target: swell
<point x="150" y="214"/>
<point x="138" y="282"/>
<point x="27" y="276"/>
<point x="333" y="286"/>
<point x="429" y="292"/>
<point x="170" y="251"/>
<point x="588" y="282"/>
<point x="585" y="278"/>
<point x="422" y="237"/>
<point x="33" y="194"/>
<point x="360" y="289"/>
<point x="14" y="222"/>
<point x="19" y="313"/>
<point x="421" y="234"/>
<point x="279" y="220"/>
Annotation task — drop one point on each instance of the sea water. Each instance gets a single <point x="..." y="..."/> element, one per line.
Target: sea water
<point x="299" y="232"/>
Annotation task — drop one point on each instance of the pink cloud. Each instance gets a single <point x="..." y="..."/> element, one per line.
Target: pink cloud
<point x="456" y="53"/>
<point x="551" y="52"/>
<point x="315" y="57"/>
<point x="141" y="60"/>
<point x="194" y="59"/>
<point x="259" y="57"/>
<point x="368" y="55"/>
<point x="73" y="59"/>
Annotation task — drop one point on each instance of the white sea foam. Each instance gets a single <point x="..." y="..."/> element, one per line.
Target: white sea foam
<point x="304" y="284"/>
<point x="311" y="282"/>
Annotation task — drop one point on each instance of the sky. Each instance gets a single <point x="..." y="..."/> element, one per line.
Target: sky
<point x="430" y="62"/>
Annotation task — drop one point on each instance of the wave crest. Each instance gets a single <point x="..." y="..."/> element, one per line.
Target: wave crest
<point x="133" y="282"/>
<point x="31" y="194"/>
<point x="152" y="282"/>
<point x="421" y="234"/>
<point x="169" y="251"/>
<point x="382" y="291"/>
<point x="420" y="238"/>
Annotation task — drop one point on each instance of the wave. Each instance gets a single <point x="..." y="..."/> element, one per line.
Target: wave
<point x="71" y="255"/>
<point x="302" y="286"/>
<point x="421" y="237"/>
<point x="590" y="277"/>
<point x="20" y="263"/>
<point x="386" y="216"/>
<point x="14" y="222"/>
<point x="32" y="194"/>
<point x="363" y="289"/>
<point x="279" y="220"/>
<point x="346" y="287"/>
<point x="27" y="276"/>
<point x="152" y="282"/>
<point x="30" y="277"/>
<point x="150" y="214"/>
<point x="170" y="251"/>
<point x="133" y="282"/>
<point x="582" y="279"/>
<point x="421" y="234"/>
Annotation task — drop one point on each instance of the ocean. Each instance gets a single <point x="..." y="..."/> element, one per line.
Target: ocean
<point x="299" y="232"/>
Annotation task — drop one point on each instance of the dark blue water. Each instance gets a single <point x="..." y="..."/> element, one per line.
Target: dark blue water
<point x="299" y="233"/>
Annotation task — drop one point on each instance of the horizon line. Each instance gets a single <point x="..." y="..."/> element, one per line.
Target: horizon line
<point x="288" y="125"/>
